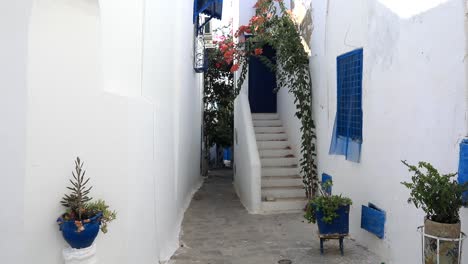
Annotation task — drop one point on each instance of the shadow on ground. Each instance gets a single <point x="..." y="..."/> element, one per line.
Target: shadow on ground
<point x="218" y="230"/>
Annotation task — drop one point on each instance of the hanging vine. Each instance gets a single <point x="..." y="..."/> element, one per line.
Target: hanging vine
<point x="273" y="25"/>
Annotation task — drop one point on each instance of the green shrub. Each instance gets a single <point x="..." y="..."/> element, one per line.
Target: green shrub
<point x="326" y="203"/>
<point x="438" y="195"/>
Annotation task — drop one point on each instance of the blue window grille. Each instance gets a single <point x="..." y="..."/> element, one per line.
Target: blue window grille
<point x="347" y="133"/>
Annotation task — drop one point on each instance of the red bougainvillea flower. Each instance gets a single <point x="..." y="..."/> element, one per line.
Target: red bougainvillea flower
<point x="258" y="51"/>
<point x="218" y="65"/>
<point x="243" y="29"/>
<point x="234" y="67"/>
<point x="223" y="47"/>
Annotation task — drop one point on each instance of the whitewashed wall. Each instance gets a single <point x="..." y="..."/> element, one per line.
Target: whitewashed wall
<point x="413" y="102"/>
<point x="107" y="81"/>
<point x="14" y="20"/>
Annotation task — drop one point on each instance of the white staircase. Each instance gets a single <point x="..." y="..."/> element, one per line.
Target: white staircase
<point x="282" y="187"/>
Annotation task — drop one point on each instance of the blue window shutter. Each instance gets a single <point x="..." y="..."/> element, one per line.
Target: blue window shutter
<point x="347" y="133"/>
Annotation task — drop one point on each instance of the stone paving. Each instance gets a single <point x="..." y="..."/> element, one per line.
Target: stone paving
<point x="218" y="230"/>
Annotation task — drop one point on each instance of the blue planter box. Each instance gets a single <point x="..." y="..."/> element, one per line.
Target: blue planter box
<point x="80" y="239"/>
<point x="339" y="226"/>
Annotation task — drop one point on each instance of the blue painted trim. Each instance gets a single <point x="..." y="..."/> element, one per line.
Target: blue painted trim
<point x="373" y="220"/>
<point x="463" y="166"/>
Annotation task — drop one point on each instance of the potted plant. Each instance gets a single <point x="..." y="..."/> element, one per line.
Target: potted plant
<point x="82" y="219"/>
<point x="331" y="213"/>
<point x="440" y="197"/>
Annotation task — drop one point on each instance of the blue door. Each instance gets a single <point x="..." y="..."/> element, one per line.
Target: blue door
<point x="262" y="82"/>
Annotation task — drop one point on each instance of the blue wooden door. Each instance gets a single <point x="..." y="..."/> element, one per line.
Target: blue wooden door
<point x="262" y="82"/>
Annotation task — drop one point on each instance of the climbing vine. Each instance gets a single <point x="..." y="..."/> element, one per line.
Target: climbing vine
<point x="273" y="25"/>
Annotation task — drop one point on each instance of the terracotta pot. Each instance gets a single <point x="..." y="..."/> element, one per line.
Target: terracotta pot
<point x="448" y="250"/>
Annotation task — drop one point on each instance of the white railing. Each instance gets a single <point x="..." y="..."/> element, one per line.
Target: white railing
<point x="247" y="178"/>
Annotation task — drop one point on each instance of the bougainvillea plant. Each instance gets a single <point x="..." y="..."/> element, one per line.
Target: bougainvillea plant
<point x="273" y="25"/>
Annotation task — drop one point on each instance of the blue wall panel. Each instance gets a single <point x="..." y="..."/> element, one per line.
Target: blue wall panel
<point x="373" y="220"/>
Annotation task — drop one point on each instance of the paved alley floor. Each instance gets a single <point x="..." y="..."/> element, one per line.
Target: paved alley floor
<point x="218" y="230"/>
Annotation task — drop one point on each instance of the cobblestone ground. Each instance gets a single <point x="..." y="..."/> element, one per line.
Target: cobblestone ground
<point x="218" y="230"/>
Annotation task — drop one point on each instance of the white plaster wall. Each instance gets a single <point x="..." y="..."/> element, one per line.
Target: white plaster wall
<point x="14" y="19"/>
<point x="122" y="42"/>
<point x="247" y="168"/>
<point x="107" y="82"/>
<point x="413" y="103"/>
<point x="169" y="81"/>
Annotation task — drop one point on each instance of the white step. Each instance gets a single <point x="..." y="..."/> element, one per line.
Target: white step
<point x="284" y="205"/>
<point x="283" y="191"/>
<point x="276" y="181"/>
<point x="267" y="123"/>
<point x="265" y="116"/>
<point x="272" y="144"/>
<point x="275" y="153"/>
<point x="274" y="162"/>
<point x="271" y="136"/>
<point x="280" y="171"/>
<point x="259" y="130"/>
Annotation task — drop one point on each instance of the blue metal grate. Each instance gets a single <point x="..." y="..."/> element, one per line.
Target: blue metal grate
<point x="349" y="103"/>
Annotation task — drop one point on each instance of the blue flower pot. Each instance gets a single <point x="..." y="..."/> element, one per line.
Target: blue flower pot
<point x="80" y="237"/>
<point x="339" y="225"/>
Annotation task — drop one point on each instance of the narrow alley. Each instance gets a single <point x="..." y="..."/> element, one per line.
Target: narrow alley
<point x="218" y="229"/>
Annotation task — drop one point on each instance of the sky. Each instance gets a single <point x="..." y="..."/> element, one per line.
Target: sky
<point x="409" y="8"/>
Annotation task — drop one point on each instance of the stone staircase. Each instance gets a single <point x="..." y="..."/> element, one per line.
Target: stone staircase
<point x="282" y="187"/>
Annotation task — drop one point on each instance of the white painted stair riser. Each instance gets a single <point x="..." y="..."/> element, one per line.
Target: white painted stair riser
<point x="283" y="192"/>
<point x="269" y="129"/>
<point x="275" y="153"/>
<point x="273" y="162"/>
<point x="267" y="123"/>
<point x="287" y="205"/>
<point x="272" y="145"/>
<point x="271" y="136"/>
<point x="265" y="116"/>
<point x="280" y="171"/>
<point x="278" y="181"/>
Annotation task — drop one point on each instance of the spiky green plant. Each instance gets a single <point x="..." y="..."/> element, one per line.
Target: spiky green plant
<point x="77" y="199"/>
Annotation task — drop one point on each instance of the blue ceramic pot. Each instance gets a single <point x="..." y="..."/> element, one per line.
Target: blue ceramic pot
<point x="77" y="236"/>
<point x="339" y="225"/>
